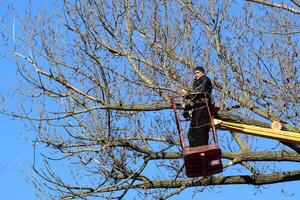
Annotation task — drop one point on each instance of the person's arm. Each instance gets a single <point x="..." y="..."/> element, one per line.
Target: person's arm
<point x="187" y="107"/>
<point x="207" y="86"/>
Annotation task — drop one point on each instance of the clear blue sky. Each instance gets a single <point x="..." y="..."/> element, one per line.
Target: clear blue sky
<point x="16" y="152"/>
<point x="16" y="156"/>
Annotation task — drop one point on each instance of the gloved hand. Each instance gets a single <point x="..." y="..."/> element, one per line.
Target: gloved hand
<point x="217" y="106"/>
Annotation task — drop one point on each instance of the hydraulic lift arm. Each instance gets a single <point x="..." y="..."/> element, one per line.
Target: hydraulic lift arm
<point x="285" y="136"/>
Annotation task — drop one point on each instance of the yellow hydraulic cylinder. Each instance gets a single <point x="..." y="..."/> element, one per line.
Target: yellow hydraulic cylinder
<point x="285" y="136"/>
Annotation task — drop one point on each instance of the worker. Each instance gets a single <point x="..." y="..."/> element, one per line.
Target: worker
<point x="196" y="109"/>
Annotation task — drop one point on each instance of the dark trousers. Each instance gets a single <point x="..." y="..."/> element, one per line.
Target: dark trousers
<point x="198" y="134"/>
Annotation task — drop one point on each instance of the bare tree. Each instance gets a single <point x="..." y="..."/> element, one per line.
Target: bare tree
<point x="97" y="78"/>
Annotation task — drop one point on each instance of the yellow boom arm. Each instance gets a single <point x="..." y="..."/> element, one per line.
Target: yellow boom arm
<point x="286" y="136"/>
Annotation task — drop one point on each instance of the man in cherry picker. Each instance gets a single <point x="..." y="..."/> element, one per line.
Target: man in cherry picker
<point x="195" y="107"/>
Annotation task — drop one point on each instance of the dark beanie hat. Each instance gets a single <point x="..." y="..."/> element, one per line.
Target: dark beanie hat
<point x="201" y="69"/>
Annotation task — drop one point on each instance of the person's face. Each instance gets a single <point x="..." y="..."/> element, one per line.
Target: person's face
<point x="198" y="74"/>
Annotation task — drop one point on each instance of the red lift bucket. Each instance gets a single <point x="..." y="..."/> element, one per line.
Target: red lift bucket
<point x="201" y="160"/>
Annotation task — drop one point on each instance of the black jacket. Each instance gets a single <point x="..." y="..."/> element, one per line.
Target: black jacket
<point x="191" y="101"/>
<point x="202" y="84"/>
